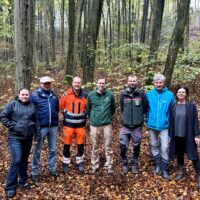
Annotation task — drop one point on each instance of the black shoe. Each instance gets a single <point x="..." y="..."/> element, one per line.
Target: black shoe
<point x="125" y="169"/>
<point x="165" y="175"/>
<point x="35" y="178"/>
<point x="65" y="168"/>
<point x="157" y="170"/>
<point x="80" y="167"/>
<point x="26" y="186"/>
<point x="10" y="193"/>
<point x="53" y="173"/>
<point x="198" y="182"/>
<point x="110" y="171"/>
<point x="179" y="175"/>
<point x="94" y="171"/>
<point x="134" y="169"/>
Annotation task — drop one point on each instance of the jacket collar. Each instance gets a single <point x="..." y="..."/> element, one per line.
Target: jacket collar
<point x="42" y="92"/>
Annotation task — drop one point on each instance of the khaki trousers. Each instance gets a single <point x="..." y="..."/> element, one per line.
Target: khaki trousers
<point x="95" y="133"/>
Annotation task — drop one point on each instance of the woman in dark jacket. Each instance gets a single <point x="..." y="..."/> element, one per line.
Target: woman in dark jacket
<point x="184" y="132"/>
<point x="20" y="117"/>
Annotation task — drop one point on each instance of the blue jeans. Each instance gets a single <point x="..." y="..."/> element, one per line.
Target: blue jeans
<point x="51" y="134"/>
<point x="20" y="151"/>
<point x="155" y="144"/>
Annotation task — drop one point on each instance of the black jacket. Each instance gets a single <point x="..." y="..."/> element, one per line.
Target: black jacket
<point x="132" y="107"/>
<point x="191" y="128"/>
<point x="20" y="118"/>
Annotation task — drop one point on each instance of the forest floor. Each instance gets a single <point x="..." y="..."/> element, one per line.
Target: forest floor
<point x="101" y="186"/>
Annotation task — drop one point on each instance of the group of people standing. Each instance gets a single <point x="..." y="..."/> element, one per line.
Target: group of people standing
<point x="173" y="127"/>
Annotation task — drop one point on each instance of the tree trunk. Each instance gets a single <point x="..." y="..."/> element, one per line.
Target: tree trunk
<point x="45" y="35"/>
<point x="157" y="24"/>
<point x="75" y="13"/>
<point x="62" y="14"/>
<point x="52" y="28"/>
<point x="176" y="39"/>
<point x="24" y="40"/>
<point x="91" y="31"/>
<point x="144" y="21"/>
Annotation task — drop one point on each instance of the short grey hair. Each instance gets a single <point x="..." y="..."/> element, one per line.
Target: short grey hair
<point x="159" y="77"/>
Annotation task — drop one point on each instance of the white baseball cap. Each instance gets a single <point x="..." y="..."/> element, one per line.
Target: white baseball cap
<point x="45" y="79"/>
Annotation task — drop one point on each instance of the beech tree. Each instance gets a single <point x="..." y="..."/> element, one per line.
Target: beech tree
<point x="24" y="40"/>
<point x="176" y="39"/>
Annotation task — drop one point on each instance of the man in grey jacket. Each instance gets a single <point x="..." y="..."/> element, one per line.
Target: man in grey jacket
<point x="132" y="107"/>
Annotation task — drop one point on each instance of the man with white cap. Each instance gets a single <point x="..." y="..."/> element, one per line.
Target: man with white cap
<point x="47" y="105"/>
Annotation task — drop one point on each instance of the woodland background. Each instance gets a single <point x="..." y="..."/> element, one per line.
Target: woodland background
<point x="63" y="38"/>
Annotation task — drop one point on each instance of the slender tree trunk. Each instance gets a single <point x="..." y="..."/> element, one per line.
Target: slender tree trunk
<point x="52" y="28"/>
<point x="110" y="30"/>
<point x="62" y="15"/>
<point x="144" y="20"/>
<point x="24" y="40"/>
<point x="157" y="24"/>
<point x="45" y="35"/>
<point x="176" y="39"/>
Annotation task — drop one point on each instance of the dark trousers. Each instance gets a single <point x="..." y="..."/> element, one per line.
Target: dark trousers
<point x="19" y="150"/>
<point x="180" y="150"/>
<point x="66" y="150"/>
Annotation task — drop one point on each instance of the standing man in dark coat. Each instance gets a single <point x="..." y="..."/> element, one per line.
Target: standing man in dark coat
<point x="132" y="107"/>
<point x="47" y="105"/>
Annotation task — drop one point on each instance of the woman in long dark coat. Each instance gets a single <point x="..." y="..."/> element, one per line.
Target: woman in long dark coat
<point x="20" y="117"/>
<point x="184" y="132"/>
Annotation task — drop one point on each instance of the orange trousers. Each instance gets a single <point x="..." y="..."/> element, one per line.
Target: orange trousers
<point x="68" y="133"/>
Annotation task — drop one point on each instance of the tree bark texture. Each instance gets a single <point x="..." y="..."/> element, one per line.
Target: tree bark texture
<point x="91" y="32"/>
<point x="51" y="7"/>
<point x="24" y="40"/>
<point x="144" y="20"/>
<point x="157" y="24"/>
<point x="75" y="14"/>
<point x="176" y="39"/>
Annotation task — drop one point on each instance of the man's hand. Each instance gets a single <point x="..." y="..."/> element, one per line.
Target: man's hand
<point x="197" y="140"/>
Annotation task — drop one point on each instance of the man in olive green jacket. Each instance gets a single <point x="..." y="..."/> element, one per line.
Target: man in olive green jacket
<point x="100" y="108"/>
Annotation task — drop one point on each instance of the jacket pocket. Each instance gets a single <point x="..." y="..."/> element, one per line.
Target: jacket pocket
<point x="24" y="128"/>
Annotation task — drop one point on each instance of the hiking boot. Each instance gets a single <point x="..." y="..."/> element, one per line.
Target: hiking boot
<point x="134" y="169"/>
<point x="65" y="168"/>
<point x="110" y="171"/>
<point x="124" y="169"/>
<point x="35" y="178"/>
<point x="10" y="193"/>
<point x="198" y="182"/>
<point x="164" y="171"/>
<point x="157" y="168"/>
<point x="26" y="186"/>
<point x="80" y="167"/>
<point x="180" y="173"/>
<point x="94" y="170"/>
<point x="53" y="174"/>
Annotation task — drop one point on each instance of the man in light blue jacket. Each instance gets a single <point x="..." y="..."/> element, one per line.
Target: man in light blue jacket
<point x="159" y="100"/>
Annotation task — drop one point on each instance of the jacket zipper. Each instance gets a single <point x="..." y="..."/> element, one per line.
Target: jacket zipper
<point x="49" y="112"/>
<point x="158" y="106"/>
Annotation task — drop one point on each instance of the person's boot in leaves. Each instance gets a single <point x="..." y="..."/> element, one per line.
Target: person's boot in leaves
<point x="80" y="167"/>
<point x="198" y="182"/>
<point x="180" y="173"/>
<point x="134" y="169"/>
<point x="164" y="171"/>
<point x="65" y="168"/>
<point x="125" y="169"/>
<point x="157" y="168"/>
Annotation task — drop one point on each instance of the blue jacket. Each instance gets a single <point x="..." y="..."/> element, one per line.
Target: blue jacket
<point x="47" y="107"/>
<point x="158" y="108"/>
